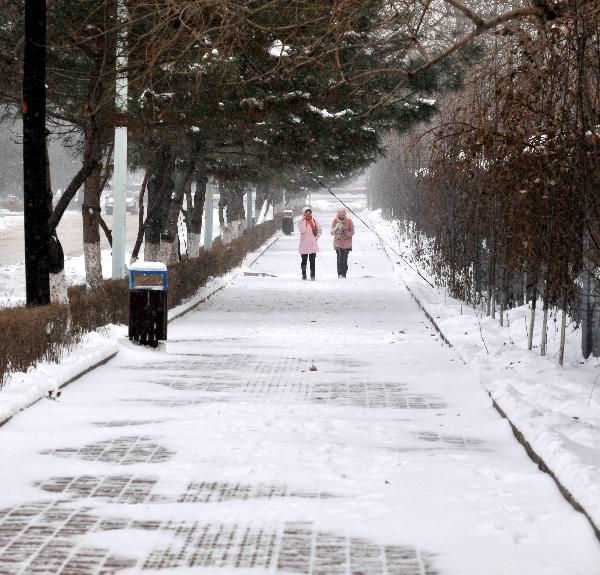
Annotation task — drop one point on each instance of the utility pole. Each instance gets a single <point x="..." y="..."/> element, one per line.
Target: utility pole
<point x="36" y="204"/>
<point x="208" y="217"/>
<point x="120" y="150"/>
<point x="249" y="206"/>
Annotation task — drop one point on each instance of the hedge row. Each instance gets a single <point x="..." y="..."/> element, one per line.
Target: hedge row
<point x="31" y="335"/>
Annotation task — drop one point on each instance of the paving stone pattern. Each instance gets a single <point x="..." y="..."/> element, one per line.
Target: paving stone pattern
<point x="129" y="489"/>
<point x="281" y="379"/>
<point x="122" y="450"/>
<point x="43" y="538"/>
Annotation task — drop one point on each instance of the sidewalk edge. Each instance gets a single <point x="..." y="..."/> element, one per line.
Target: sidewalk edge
<point x="111" y="354"/>
<point x="202" y="297"/>
<point x="181" y="310"/>
<point x="531" y="453"/>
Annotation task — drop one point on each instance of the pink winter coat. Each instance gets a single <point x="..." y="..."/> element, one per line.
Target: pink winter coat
<point x="342" y="234"/>
<point x="308" y="240"/>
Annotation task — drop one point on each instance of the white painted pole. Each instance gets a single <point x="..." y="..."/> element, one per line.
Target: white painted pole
<point x="120" y="152"/>
<point x="249" y="205"/>
<point x="208" y="217"/>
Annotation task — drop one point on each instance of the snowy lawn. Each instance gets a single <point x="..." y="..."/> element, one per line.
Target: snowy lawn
<point x="12" y="277"/>
<point x="222" y="451"/>
<point x="556" y="409"/>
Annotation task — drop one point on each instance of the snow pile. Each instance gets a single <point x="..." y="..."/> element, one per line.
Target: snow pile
<point x="556" y="409"/>
<point x="278" y="49"/>
<point x="47" y="378"/>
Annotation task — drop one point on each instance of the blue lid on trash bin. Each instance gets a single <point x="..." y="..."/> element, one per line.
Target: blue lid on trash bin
<point x="148" y="268"/>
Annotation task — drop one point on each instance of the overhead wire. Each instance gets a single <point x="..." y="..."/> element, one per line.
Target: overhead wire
<point x="383" y="241"/>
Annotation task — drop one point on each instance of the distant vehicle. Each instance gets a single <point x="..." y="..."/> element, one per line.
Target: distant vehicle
<point x="131" y="203"/>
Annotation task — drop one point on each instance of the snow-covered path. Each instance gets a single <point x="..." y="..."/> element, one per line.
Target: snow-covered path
<point x="222" y="452"/>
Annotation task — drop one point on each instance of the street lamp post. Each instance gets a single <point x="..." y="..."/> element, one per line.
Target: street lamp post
<point x="208" y="217"/>
<point x="120" y="150"/>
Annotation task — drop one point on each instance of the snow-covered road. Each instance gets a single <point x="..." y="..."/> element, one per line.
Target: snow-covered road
<point x="222" y="452"/>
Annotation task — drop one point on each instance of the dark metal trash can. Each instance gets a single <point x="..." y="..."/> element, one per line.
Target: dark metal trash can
<point x="287" y="222"/>
<point x="148" y="308"/>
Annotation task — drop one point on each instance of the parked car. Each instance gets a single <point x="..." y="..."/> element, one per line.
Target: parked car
<point x="131" y="204"/>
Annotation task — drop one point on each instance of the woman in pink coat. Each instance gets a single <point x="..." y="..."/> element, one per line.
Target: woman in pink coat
<point x="342" y="230"/>
<point x="310" y="231"/>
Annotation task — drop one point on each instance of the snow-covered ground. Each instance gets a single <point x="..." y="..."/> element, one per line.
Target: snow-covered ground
<point x="556" y="408"/>
<point x="10" y="219"/>
<point x="223" y="452"/>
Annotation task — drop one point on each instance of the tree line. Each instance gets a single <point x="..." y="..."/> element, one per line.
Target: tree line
<point x="500" y="193"/>
<point x="267" y="93"/>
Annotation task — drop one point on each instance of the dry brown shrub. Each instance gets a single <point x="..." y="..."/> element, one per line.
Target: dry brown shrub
<point x="31" y="335"/>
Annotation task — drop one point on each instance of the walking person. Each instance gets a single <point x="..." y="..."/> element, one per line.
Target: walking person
<point x="310" y="231"/>
<point x="342" y="230"/>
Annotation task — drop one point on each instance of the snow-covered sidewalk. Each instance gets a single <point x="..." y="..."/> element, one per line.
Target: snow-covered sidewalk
<point x="555" y="409"/>
<point x="223" y="452"/>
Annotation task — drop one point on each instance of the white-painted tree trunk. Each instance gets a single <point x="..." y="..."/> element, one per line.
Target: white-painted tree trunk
<point x="263" y="212"/>
<point x="93" y="263"/>
<point x="59" y="288"/>
<point x="168" y="252"/>
<point x="240" y="227"/>
<point x="193" y="245"/>
<point x="225" y="234"/>
<point x="232" y="231"/>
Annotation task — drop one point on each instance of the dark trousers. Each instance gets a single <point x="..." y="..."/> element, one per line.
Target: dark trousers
<point x="342" y="261"/>
<point x="311" y="258"/>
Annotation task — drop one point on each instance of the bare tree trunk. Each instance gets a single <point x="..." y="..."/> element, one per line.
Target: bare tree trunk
<point x="91" y="231"/>
<point x="262" y="194"/>
<point x="491" y="303"/>
<point x="504" y="285"/>
<point x="195" y="209"/>
<point x="222" y="204"/>
<point x="56" y="258"/>
<point x="231" y="210"/>
<point x="502" y="305"/>
<point x="563" y="322"/>
<point x="160" y="185"/>
<point x="532" y="316"/>
<point x="37" y="282"/>
<point x="141" y="221"/>
<point x="545" y="319"/>
<point x="184" y="168"/>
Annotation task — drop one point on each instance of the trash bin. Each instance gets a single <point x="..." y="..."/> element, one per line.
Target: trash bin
<point x="287" y="222"/>
<point x="148" y="309"/>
